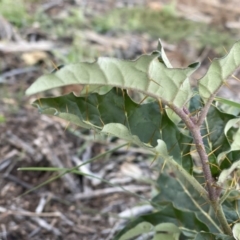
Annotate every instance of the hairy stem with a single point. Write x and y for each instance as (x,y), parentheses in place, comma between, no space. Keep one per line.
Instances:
(196,134)
(213,194)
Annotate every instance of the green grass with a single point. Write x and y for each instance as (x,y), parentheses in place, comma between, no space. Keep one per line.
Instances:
(2,119)
(144,21)
(15,11)
(165,24)
(20,14)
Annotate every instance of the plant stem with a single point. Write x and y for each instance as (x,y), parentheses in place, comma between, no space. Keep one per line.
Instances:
(197,138)
(221,218)
(204,111)
(210,182)
(196,185)
(213,194)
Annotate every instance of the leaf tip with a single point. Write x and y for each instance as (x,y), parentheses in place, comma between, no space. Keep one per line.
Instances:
(159,47)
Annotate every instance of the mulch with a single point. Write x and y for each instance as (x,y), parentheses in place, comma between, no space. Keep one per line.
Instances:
(73,205)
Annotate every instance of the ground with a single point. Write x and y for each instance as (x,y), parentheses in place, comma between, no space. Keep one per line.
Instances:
(35,37)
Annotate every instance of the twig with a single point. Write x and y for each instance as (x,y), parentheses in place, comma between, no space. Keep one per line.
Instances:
(106,191)
(44,224)
(205,109)
(95,181)
(19,143)
(36,217)
(34,232)
(4,232)
(30,214)
(31,188)
(41,204)
(68,178)
(15,72)
(17,180)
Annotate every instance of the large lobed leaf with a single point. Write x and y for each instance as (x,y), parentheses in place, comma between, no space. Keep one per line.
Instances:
(209,236)
(169,214)
(115,113)
(174,189)
(180,206)
(151,75)
(218,72)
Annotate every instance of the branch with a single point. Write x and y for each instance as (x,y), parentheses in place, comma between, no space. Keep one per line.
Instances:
(194,128)
(205,110)
(196,134)
(221,218)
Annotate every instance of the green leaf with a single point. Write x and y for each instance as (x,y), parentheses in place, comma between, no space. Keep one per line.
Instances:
(215,139)
(228,106)
(104,71)
(231,210)
(231,155)
(146,125)
(169,215)
(163,57)
(227,172)
(218,72)
(214,129)
(143,227)
(236,231)
(214,126)
(175,190)
(228,102)
(167,231)
(148,74)
(228,181)
(116,114)
(209,236)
